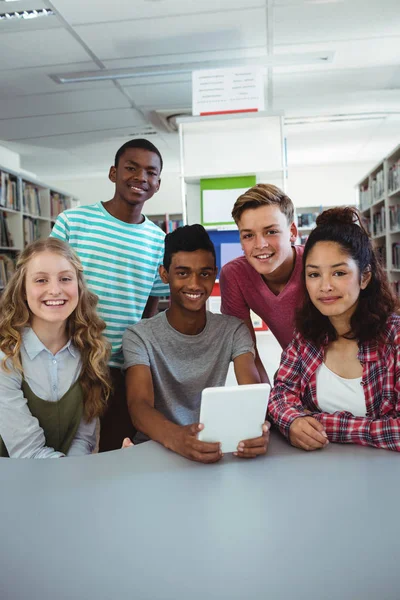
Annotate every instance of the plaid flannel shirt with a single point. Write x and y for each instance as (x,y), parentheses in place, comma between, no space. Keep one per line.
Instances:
(295,395)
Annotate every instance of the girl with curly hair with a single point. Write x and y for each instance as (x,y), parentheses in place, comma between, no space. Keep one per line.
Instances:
(54,379)
(339,379)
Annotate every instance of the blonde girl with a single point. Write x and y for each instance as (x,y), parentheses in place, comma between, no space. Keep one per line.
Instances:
(54,380)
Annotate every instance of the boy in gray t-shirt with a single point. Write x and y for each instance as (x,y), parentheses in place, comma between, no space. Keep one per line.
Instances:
(172,357)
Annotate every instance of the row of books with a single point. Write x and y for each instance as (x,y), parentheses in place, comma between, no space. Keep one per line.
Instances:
(307,219)
(7,268)
(365,196)
(396,287)
(6,239)
(8,191)
(394,216)
(58,203)
(394,177)
(303,239)
(378,186)
(381,252)
(31,199)
(379,222)
(31,230)
(173,224)
(168,225)
(396,255)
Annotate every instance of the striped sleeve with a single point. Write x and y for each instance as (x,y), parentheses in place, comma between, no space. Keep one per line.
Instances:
(61,228)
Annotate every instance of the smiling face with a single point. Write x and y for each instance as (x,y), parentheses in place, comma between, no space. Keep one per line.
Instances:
(191,277)
(333,280)
(266,238)
(137,175)
(51,288)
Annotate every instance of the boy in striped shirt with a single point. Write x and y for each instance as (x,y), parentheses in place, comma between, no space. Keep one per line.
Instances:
(121,251)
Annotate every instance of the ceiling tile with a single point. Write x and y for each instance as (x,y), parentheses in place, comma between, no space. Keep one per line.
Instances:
(176,35)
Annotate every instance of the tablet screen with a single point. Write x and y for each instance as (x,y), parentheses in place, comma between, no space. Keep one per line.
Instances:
(233,413)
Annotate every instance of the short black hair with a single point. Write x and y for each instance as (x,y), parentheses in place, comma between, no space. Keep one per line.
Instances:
(188,238)
(138,143)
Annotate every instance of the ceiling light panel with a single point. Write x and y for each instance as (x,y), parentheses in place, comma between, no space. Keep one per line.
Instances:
(26,14)
(172,69)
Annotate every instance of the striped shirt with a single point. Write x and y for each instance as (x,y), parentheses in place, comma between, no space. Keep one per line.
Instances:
(120,262)
(295,391)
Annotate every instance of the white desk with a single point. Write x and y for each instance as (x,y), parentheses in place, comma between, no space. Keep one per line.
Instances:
(146,524)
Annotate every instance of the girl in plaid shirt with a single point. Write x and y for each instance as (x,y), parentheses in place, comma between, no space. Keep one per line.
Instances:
(339,379)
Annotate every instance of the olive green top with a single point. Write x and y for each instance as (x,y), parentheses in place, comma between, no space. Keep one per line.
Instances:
(59,420)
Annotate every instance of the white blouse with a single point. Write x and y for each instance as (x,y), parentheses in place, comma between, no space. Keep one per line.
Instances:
(335,393)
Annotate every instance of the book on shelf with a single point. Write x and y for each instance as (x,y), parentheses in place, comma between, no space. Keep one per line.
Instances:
(7,269)
(394,216)
(8,191)
(307,219)
(365,196)
(396,255)
(379,222)
(31,199)
(58,203)
(394,177)
(6,239)
(378,186)
(173,224)
(167,225)
(31,230)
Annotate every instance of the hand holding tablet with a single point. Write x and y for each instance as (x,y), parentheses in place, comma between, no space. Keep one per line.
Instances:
(233,414)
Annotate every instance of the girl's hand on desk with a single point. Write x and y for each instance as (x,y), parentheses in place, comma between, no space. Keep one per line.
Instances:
(186,444)
(127,443)
(308,434)
(256,446)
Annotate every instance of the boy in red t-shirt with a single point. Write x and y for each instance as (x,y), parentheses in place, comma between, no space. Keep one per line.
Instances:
(267,279)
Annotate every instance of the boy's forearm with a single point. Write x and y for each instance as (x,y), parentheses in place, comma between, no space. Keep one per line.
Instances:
(261,369)
(152,423)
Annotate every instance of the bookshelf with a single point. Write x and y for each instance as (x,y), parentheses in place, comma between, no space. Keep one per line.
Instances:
(379,197)
(305,219)
(28,210)
(167,222)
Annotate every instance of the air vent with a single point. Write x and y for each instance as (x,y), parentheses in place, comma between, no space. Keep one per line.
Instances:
(166,119)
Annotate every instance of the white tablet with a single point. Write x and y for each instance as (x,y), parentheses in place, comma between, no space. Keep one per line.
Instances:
(233,413)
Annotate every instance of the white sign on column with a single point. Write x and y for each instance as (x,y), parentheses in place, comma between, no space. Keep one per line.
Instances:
(225,91)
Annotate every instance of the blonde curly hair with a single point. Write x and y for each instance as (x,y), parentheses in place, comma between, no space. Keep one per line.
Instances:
(84,327)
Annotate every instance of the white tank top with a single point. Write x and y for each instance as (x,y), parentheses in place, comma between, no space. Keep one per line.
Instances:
(335,393)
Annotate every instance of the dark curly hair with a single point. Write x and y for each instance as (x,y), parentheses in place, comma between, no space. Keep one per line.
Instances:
(188,238)
(376,302)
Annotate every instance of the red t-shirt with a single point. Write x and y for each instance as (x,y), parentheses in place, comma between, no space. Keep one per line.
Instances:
(242,289)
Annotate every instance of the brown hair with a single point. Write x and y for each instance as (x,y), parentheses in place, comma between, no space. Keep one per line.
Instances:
(263,194)
(84,327)
(376,302)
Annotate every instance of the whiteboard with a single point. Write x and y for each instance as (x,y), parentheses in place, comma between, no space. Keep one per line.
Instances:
(217,205)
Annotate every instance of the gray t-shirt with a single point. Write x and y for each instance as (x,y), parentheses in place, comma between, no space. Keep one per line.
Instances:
(183,365)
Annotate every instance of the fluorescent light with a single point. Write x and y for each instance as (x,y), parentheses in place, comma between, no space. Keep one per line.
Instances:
(337,118)
(26,14)
(277,60)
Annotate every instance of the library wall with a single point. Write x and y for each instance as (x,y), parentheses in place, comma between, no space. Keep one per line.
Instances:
(9,159)
(100,189)
(325,185)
